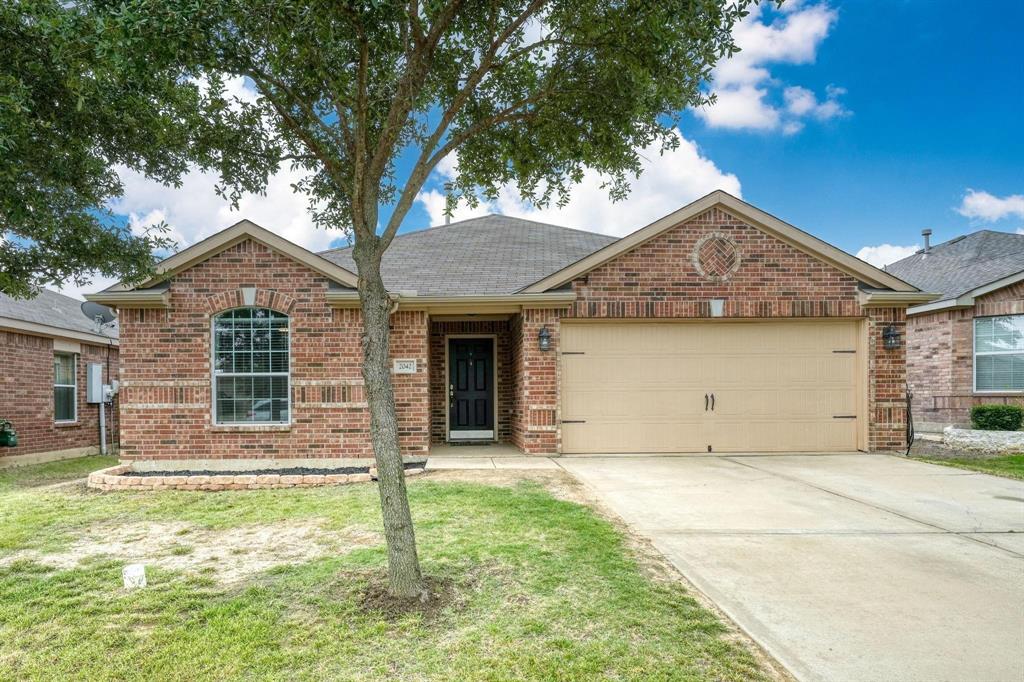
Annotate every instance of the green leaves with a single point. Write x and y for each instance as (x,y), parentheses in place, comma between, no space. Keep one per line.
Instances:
(525,92)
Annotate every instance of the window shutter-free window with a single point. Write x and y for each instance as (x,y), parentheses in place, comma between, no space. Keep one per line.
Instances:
(999,353)
(65,385)
(251,367)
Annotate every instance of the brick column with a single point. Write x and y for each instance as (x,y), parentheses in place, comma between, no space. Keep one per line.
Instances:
(887,382)
(535,372)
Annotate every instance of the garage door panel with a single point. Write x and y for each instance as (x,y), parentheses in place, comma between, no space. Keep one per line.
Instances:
(640,387)
(626,405)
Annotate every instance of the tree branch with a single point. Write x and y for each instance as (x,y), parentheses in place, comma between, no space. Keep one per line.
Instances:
(427,163)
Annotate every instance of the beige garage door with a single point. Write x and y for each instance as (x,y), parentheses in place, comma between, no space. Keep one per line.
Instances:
(731,386)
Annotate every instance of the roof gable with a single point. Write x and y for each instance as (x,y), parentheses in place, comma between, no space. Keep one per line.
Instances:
(749,214)
(121,294)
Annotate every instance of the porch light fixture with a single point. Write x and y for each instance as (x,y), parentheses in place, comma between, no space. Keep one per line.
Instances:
(891,338)
(717,307)
(544,338)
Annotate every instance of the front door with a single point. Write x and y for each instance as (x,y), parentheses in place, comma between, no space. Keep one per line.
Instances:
(471,389)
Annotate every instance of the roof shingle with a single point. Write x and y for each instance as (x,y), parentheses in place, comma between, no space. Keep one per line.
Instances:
(53,310)
(493,254)
(963,264)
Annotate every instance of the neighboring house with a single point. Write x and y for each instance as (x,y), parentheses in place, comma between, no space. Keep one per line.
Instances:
(718,328)
(967,347)
(46,344)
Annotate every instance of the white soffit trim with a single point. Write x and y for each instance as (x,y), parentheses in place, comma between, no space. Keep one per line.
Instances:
(36,329)
(748,213)
(966,300)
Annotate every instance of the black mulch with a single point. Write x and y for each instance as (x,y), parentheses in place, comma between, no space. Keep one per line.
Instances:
(294,471)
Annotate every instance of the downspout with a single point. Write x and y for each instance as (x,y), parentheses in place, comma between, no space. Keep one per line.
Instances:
(910,421)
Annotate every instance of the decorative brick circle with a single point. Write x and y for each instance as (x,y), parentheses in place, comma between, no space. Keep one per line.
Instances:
(715,257)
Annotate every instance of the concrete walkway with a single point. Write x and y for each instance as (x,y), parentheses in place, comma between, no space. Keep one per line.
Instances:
(484,462)
(844,567)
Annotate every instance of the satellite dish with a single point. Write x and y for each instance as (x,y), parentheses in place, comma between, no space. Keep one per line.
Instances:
(98,313)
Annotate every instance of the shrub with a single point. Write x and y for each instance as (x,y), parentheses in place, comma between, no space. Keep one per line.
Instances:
(997,417)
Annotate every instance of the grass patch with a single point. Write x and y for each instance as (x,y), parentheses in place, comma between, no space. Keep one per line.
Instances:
(1008,466)
(529,588)
(53,472)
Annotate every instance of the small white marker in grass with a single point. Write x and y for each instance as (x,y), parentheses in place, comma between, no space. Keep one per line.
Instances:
(134,576)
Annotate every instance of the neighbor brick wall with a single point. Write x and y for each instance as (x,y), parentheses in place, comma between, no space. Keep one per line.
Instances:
(165,371)
(439,380)
(940,359)
(658,280)
(26,396)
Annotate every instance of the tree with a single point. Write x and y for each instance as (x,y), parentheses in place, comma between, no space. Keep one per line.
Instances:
(69,115)
(526,92)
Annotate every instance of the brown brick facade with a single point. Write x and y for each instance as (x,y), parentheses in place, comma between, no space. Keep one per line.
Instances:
(166,398)
(940,360)
(166,379)
(535,406)
(26,395)
(440,330)
(659,280)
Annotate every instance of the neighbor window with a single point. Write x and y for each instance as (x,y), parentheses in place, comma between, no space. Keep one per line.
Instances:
(999,353)
(250,367)
(65,387)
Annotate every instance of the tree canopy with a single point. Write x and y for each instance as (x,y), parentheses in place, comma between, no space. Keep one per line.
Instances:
(527,93)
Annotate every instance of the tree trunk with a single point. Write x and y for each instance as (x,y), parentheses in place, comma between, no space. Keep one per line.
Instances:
(405,579)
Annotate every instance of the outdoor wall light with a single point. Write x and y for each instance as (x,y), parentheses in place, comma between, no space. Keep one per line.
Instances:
(891,338)
(717,307)
(544,338)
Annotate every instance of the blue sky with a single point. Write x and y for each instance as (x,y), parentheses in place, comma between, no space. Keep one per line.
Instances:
(861,122)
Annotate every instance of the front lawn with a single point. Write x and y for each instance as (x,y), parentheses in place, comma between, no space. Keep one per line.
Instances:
(1010,466)
(52,472)
(286,584)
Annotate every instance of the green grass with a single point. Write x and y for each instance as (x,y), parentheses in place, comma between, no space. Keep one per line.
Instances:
(53,472)
(541,589)
(1009,466)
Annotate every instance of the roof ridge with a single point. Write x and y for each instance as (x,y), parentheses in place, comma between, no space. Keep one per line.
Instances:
(461,223)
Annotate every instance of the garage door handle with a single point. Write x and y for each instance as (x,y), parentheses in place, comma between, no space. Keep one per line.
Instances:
(705,402)
(712,402)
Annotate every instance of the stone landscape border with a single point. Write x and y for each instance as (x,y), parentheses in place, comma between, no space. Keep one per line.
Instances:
(975,440)
(113,479)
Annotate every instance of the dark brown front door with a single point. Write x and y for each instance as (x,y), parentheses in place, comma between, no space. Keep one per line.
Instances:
(470,389)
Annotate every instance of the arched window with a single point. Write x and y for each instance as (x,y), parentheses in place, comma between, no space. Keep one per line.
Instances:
(250,367)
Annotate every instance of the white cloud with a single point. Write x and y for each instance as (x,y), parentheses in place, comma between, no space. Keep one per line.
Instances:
(96,283)
(883,254)
(990,208)
(745,89)
(669,181)
(194,211)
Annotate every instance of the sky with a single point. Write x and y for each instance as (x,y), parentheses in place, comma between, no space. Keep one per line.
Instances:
(862,122)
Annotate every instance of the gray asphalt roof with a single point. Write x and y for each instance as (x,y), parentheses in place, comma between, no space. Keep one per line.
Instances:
(51,309)
(963,264)
(493,254)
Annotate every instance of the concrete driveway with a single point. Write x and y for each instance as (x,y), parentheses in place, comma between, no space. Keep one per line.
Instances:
(844,567)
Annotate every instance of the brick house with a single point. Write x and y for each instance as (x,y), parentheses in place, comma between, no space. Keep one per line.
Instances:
(716,328)
(967,347)
(46,346)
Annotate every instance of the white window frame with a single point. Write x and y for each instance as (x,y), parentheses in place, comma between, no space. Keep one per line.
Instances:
(214,374)
(975,353)
(73,387)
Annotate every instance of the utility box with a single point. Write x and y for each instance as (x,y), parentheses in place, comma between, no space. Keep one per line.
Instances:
(94,383)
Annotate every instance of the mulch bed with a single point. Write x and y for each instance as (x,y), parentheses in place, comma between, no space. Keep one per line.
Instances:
(294,471)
